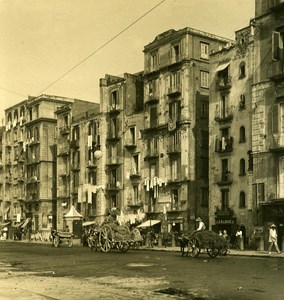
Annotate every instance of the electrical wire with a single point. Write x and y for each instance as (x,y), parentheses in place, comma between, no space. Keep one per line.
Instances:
(11,91)
(101,47)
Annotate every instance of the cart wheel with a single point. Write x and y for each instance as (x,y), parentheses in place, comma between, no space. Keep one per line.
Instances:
(136,245)
(194,246)
(56,241)
(224,251)
(70,242)
(123,246)
(212,252)
(106,238)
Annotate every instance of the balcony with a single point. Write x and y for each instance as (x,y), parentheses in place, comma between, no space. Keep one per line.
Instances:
(224,212)
(64,151)
(152,154)
(224,115)
(224,179)
(113,137)
(33,179)
(21,178)
(114,161)
(75,167)
(135,174)
(32,160)
(276,70)
(223,83)
(9,179)
(113,186)
(114,109)
(152,98)
(74,144)
(174,149)
(174,90)
(64,130)
(130,144)
(224,145)
(91,164)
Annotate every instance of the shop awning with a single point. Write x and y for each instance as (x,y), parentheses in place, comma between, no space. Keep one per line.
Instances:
(4,224)
(222,66)
(26,222)
(73,213)
(149,223)
(88,223)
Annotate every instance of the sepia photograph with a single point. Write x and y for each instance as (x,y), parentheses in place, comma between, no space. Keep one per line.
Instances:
(140,149)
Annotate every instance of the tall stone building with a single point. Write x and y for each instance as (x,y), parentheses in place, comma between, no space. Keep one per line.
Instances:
(29,163)
(175,134)
(122,101)
(267,116)
(230,161)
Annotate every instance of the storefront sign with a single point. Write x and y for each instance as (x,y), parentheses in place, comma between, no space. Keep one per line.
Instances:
(226,221)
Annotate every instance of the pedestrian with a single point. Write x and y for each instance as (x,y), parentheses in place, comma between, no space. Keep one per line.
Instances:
(165,238)
(273,239)
(239,239)
(201,225)
(220,233)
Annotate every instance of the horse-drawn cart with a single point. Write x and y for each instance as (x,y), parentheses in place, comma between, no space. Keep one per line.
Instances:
(113,235)
(59,237)
(210,241)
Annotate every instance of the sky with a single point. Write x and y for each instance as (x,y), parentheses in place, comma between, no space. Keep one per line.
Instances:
(42,40)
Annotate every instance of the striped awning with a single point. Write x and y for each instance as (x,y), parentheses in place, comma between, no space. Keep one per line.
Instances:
(26,222)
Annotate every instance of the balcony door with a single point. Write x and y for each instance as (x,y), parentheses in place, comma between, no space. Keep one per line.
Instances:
(281,177)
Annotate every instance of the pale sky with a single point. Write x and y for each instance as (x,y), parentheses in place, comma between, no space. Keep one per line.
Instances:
(40,40)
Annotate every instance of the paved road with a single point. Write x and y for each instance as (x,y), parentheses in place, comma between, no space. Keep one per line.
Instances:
(35,271)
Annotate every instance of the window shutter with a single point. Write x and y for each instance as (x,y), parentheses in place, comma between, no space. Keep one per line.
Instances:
(275,45)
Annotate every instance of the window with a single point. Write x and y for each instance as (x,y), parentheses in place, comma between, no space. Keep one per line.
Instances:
(135,164)
(174,198)
(224,200)
(204,50)
(153,116)
(204,197)
(175,168)
(242,134)
(225,169)
(242,167)
(242,203)
(250,160)
(113,201)
(204,79)
(176,50)
(175,79)
(132,132)
(277,45)
(136,193)
(114,101)
(242,70)
(258,193)
(204,112)
(204,167)
(153,170)
(92,177)
(174,110)
(154,59)
(76,133)
(242,102)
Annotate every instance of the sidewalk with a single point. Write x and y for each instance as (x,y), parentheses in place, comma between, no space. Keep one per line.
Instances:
(232,252)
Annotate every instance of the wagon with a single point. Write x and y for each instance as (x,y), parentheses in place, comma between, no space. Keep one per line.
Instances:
(210,241)
(59,237)
(114,236)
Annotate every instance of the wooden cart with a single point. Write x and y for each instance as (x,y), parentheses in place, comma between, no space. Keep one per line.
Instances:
(59,237)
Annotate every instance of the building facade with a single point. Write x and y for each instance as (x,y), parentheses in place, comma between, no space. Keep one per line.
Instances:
(175,134)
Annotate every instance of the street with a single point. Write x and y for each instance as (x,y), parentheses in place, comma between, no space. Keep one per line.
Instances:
(36,271)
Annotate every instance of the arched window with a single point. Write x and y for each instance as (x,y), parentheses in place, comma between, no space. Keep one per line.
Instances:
(242,203)
(242,102)
(242,167)
(242,134)
(242,70)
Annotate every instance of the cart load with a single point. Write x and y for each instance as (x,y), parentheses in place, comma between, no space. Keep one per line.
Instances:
(112,235)
(208,240)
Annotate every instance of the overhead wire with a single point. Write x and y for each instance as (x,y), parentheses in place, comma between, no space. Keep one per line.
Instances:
(101,47)
(11,91)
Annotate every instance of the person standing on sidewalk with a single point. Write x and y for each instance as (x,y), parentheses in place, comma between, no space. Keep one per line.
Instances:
(273,239)
(201,225)
(239,239)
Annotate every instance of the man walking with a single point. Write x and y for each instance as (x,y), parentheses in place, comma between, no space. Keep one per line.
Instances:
(273,239)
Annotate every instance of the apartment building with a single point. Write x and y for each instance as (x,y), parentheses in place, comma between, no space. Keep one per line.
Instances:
(175,134)
(77,142)
(230,145)
(122,102)
(267,116)
(29,163)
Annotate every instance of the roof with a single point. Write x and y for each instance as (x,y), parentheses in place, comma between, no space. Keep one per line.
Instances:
(73,213)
